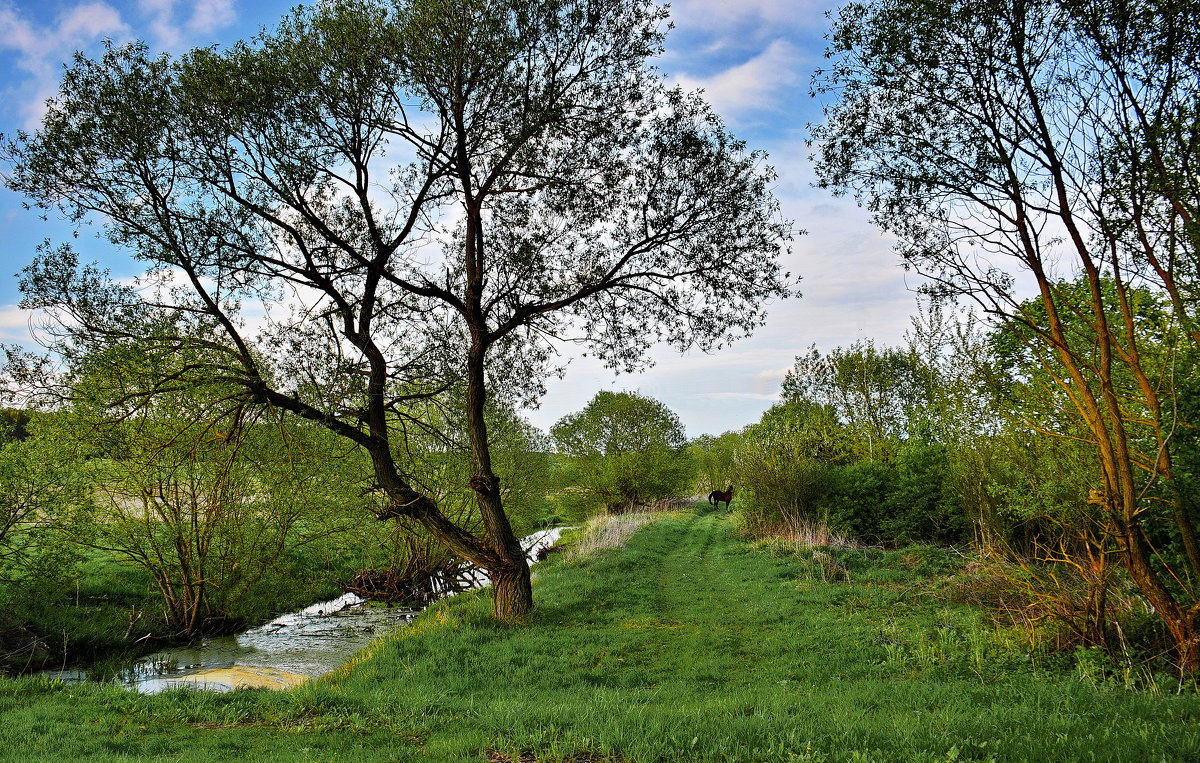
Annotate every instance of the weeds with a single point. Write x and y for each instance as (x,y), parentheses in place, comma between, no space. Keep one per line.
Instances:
(1061,605)
(808,534)
(607,531)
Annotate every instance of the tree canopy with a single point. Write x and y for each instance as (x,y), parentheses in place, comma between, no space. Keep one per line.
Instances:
(625,449)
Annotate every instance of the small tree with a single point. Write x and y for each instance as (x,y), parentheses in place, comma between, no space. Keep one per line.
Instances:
(783,459)
(716,460)
(209,505)
(625,449)
(418,195)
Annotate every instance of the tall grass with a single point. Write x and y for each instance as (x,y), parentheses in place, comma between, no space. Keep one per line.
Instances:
(607,531)
(809,534)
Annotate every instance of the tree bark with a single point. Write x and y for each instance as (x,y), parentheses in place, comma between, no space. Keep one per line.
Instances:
(1180,622)
(512,592)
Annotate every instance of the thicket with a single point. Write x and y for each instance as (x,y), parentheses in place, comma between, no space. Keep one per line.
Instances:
(853,446)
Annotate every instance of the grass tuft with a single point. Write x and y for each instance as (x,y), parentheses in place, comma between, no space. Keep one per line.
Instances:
(608,531)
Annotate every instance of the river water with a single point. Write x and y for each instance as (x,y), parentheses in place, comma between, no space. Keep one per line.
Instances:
(283,652)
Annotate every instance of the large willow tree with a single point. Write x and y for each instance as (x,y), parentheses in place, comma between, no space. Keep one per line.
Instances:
(378,202)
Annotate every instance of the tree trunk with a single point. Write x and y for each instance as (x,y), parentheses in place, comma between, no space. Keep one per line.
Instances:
(512,592)
(1180,622)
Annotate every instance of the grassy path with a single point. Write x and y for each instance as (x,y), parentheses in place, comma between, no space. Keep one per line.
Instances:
(684,646)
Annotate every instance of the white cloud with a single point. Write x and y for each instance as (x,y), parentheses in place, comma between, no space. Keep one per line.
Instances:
(771,375)
(90,21)
(765,82)
(737,396)
(161,15)
(15,32)
(172,26)
(41,49)
(210,15)
(15,323)
(714,29)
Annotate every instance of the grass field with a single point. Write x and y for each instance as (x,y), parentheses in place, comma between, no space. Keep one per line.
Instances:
(685,645)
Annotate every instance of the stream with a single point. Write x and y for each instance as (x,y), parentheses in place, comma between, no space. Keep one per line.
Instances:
(285,651)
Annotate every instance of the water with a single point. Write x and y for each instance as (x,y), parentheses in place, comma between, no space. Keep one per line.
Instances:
(284,651)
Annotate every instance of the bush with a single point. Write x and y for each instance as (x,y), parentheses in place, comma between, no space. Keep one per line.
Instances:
(856,498)
(923,505)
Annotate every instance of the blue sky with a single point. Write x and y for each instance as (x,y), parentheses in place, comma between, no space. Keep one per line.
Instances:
(753,59)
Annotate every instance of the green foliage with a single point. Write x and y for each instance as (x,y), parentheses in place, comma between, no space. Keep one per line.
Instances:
(1028,365)
(923,505)
(716,460)
(216,515)
(623,450)
(205,494)
(521,458)
(436,454)
(877,394)
(798,464)
(14,424)
(857,498)
(44,500)
(946,124)
(783,459)
(208,508)
(1185,445)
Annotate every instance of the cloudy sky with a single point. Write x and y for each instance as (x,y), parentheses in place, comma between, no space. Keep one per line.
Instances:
(752,58)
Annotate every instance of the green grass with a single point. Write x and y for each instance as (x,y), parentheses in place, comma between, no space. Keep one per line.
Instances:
(686,645)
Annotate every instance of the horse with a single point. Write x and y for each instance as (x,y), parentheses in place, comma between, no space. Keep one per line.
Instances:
(716,496)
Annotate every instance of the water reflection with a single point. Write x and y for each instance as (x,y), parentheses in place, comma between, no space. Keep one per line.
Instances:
(284,651)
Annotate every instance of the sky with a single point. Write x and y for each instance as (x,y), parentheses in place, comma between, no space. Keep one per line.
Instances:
(752,58)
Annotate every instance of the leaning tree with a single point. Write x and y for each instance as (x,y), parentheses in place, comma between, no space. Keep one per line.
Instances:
(380,202)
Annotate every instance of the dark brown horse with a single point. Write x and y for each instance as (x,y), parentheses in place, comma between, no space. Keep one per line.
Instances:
(716,496)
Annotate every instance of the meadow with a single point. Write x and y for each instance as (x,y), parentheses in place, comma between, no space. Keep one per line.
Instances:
(688,643)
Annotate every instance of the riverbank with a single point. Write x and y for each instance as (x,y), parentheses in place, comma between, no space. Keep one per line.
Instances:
(686,644)
(113,614)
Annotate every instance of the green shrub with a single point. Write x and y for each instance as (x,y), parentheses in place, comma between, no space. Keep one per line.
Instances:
(923,505)
(857,496)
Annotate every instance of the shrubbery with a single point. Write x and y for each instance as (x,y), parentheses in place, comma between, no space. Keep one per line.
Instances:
(799,464)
